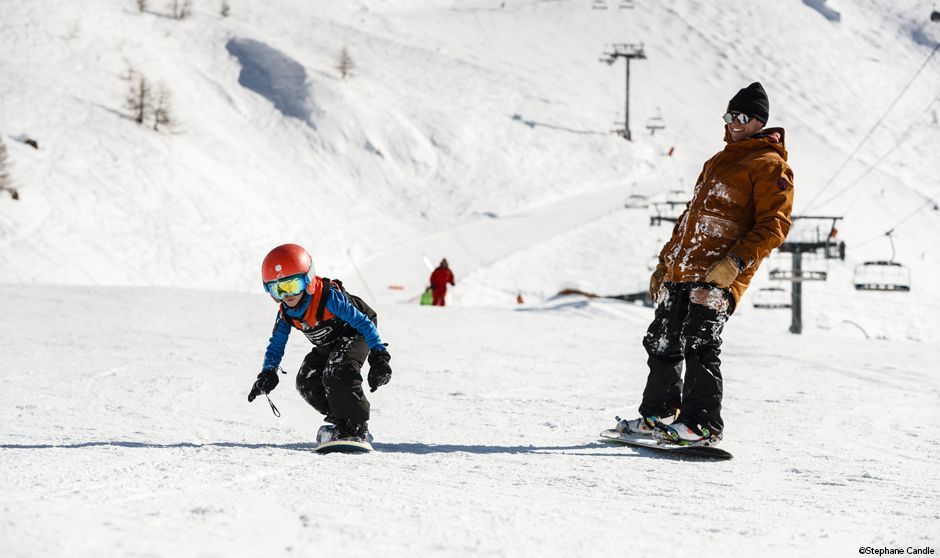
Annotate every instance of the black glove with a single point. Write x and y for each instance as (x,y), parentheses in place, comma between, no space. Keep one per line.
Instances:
(379,370)
(266,382)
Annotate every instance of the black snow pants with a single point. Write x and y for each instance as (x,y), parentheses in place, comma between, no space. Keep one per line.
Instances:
(687,328)
(330,379)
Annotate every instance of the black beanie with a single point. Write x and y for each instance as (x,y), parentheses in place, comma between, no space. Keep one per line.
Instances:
(752,101)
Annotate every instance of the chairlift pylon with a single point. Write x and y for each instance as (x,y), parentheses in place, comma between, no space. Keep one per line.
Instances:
(811,236)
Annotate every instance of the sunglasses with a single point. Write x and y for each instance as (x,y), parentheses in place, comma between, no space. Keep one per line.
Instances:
(730,117)
(288,286)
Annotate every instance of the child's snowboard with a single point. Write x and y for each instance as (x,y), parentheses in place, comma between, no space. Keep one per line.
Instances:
(327,444)
(344,446)
(705,452)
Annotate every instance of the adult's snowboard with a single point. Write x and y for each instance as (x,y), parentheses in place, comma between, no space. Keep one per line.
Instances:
(704,452)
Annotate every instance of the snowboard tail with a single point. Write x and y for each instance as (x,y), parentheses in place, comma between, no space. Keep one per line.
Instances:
(647,442)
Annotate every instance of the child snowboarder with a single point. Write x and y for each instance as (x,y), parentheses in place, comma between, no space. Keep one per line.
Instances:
(341,328)
(739,212)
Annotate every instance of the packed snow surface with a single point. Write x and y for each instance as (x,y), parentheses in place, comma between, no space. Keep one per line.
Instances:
(128,432)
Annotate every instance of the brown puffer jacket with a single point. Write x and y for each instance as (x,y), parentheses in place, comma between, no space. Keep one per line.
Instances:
(741,206)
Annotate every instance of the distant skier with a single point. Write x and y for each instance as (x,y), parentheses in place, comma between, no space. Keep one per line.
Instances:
(342,328)
(440,278)
(739,212)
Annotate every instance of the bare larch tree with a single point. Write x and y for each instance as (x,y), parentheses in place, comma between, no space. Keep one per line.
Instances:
(345,64)
(138,98)
(6,185)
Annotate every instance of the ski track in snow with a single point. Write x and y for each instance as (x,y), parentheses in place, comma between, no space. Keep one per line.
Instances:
(128,432)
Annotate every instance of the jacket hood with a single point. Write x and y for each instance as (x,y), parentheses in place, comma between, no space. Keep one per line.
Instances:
(768,137)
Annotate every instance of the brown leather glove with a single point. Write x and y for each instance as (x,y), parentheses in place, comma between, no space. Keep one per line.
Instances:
(656,281)
(722,273)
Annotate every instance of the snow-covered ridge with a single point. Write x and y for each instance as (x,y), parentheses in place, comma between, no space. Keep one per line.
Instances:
(431,131)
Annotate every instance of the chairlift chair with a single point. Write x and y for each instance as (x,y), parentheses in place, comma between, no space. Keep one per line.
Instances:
(626,5)
(814,268)
(882,275)
(804,275)
(655,123)
(835,250)
(771,298)
(816,263)
(599,5)
(667,211)
(636,201)
(678,195)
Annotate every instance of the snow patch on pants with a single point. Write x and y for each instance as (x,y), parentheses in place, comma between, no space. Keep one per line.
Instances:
(713,299)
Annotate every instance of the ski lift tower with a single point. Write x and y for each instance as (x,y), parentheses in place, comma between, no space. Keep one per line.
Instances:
(815,235)
(627,52)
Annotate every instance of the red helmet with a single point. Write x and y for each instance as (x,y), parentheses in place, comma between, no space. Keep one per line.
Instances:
(287,260)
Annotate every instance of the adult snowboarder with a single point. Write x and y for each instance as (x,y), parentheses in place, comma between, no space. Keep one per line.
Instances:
(739,212)
(440,278)
(342,328)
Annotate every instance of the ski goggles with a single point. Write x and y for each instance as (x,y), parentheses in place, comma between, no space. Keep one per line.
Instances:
(288,286)
(730,117)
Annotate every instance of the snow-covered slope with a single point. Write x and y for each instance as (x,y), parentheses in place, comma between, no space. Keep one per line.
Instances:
(476,130)
(129,434)
(458,111)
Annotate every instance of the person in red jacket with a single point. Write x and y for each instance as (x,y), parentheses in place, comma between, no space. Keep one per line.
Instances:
(440,278)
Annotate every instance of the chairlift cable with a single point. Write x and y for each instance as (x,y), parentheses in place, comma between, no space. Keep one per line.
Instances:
(864,139)
(891,230)
(901,139)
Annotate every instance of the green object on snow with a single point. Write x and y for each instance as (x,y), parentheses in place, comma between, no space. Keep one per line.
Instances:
(427,298)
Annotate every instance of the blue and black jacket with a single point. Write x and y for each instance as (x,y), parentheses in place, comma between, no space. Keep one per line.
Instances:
(324,317)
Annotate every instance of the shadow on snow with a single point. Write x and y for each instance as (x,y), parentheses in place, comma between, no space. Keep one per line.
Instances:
(148,445)
(405,448)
